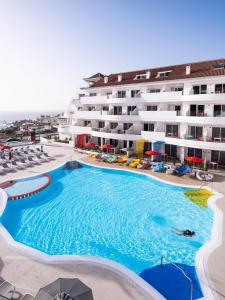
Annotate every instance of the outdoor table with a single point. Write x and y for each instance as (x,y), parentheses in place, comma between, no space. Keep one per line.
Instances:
(214,164)
(217,139)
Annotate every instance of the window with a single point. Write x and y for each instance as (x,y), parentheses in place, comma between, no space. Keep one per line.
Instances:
(135,93)
(218,132)
(219,157)
(140,76)
(117,110)
(148,127)
(113,125)
(126,126)
(177,89)
(195,152)
(90,108)
(195,132)
(93,94)
(130,109)
(200,89)
(86,123)
(219,66)
(163,74)
(219,88)
(113,142)
(151,107)
(101,124)
(105,108)
(81,95)
(219,110)
(197,110)
(172,130)
(171,150)
(121,94)
(154,91)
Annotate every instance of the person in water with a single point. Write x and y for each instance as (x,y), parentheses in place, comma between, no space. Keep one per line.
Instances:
(186,232)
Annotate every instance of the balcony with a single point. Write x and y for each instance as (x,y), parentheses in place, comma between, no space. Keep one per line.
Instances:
(161,97)
(204,98)
(201,120)
(117,135)
(73,129)
(157,116)
(153,136)
(195,143)
(86,114)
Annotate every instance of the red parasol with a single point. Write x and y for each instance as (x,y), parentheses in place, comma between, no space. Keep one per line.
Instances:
(90,144)
(152,153)
(4,147)
(107,146)
(194,159)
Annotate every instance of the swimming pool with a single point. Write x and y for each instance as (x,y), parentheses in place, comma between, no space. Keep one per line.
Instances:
(119,215)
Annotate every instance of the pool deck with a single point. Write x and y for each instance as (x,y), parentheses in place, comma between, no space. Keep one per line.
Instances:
(29,275)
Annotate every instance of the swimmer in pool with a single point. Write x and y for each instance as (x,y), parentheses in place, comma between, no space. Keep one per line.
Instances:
(186,232)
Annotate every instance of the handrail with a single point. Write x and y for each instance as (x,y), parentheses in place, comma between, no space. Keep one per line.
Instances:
(182,271)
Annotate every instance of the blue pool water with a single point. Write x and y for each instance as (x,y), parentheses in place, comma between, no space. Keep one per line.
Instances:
(119,215)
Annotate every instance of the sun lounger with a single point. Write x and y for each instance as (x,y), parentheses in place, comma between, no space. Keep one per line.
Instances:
(182,170)
(204,175)
(122,159)
(7,290)
(25,162)
(18,165)
(30,160)
(111,159)
(159,167)
(134,163)
(6,167)
(47,156)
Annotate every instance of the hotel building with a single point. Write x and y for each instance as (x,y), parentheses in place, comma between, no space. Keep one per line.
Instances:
(178,110)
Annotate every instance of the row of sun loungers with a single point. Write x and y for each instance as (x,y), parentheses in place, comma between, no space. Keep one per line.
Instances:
(22,159)
(171,169)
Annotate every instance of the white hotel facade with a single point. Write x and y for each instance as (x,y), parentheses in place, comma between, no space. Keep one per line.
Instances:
(178,110)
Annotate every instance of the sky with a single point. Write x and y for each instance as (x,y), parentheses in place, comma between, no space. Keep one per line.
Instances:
(48,46)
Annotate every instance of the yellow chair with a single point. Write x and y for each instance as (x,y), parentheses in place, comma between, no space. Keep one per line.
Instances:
(122,159)
(134,163)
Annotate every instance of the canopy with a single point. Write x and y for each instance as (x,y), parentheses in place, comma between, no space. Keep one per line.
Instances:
(194,159)
(65,288)
(4,147)
(107,146)
(152,153)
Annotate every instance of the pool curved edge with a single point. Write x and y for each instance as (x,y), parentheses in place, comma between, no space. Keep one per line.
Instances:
(201,257)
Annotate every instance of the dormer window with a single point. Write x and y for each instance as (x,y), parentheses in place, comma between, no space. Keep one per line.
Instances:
(219,66)
(140,76)
(163,74)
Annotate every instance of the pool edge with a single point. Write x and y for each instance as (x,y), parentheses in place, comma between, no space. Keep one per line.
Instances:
(201,257)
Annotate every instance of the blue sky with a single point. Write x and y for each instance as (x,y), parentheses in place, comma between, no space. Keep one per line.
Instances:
(48,46)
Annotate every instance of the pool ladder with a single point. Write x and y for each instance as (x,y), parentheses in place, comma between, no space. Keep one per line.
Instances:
(182,271)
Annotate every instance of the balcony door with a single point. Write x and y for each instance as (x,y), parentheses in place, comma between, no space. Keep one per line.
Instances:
(148,127)
(121,94)
(219,110)
(200,89)
(219,157)
(197,110)
(195,132)
(195,152)
(172,130)
(219,88)
(117,110)
(218,133)
(130,109)
(171,150)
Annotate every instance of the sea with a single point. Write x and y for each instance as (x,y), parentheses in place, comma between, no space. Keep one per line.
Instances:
(7,118)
